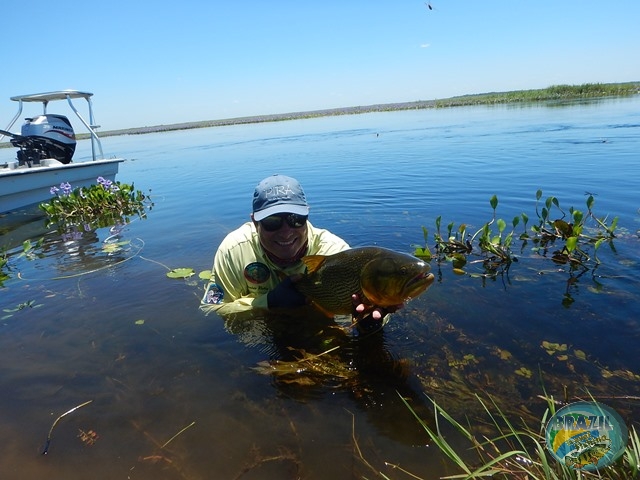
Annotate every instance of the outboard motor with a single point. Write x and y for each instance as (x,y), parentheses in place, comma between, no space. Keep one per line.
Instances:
(45,136)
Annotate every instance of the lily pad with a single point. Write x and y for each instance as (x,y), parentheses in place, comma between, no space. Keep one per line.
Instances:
(205,275)
(180,273)
(113,247)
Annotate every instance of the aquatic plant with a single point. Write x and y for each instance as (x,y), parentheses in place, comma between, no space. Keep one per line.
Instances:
(554,92)
(104,204)
(4,261)
(516,452)
(29,251)
(570,238)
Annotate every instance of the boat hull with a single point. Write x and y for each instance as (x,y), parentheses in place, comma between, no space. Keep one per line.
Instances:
(20,187)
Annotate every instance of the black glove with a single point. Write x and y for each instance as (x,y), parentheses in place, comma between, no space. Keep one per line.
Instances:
(285,295)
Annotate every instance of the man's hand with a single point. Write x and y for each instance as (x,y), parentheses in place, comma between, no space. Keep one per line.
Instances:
(362,311)
(285,295)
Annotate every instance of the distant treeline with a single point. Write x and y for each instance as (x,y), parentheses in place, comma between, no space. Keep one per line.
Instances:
(555,92)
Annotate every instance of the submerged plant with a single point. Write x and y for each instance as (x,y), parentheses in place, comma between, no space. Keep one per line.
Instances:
(29,251)
(104,204)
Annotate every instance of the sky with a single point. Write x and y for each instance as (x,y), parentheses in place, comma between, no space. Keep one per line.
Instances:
(157,63)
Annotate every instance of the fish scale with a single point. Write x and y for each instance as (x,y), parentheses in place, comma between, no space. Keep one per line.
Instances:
(391,277)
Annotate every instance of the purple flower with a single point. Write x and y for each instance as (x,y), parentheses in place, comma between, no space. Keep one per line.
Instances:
(104,182)
(54,190)
(66,188)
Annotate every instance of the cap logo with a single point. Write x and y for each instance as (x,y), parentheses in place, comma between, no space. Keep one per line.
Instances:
(278,194)
(279,191)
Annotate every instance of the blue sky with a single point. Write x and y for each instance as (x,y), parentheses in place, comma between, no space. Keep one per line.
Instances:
(151,63)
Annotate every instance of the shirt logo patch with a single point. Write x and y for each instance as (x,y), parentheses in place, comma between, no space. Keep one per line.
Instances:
(257,272)
(214,294)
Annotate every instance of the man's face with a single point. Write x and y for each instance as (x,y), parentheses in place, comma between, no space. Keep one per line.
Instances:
(286,241)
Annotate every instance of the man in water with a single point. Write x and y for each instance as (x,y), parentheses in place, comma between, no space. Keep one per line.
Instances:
(254,265)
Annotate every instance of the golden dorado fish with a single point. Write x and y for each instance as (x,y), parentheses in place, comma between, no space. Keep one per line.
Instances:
(381,277)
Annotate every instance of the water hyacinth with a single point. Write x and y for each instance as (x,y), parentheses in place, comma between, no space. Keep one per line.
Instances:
(108,184)
(103,204)
(64,189)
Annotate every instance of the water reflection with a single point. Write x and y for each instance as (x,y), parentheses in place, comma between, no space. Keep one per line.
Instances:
(21,225)
(310,355)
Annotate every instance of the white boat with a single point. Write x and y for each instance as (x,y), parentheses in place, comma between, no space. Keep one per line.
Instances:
(46,146)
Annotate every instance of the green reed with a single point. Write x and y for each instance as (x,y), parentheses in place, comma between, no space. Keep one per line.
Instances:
(516,452)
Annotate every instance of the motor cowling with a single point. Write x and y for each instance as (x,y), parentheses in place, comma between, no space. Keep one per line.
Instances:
(45,136)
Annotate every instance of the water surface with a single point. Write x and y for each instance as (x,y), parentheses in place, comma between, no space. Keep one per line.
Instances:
(373,179)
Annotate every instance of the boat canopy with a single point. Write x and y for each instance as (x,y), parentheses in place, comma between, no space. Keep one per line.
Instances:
(47,97)
(67,95)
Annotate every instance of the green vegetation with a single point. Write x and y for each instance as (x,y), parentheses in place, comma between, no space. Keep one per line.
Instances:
(104,204)
(555,92)
(567,237)
(570,238)
(558,92)
(75,212)
(518,452)
(30,251)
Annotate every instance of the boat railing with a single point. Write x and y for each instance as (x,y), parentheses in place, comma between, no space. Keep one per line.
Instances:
(68,95)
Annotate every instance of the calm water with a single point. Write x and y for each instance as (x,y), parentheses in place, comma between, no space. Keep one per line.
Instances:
(372,179)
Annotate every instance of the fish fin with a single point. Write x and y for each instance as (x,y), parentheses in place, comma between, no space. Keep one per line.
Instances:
(313,262)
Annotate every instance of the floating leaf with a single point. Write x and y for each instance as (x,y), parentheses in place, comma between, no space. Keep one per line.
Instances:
(113,247)
(180,273)
(580,355)
(205,275)
(563,358)
(552,348)
(139,322)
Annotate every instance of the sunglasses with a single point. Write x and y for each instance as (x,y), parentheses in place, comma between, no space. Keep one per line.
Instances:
(275,222)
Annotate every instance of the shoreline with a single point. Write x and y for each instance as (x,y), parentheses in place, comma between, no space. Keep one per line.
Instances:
(553,93)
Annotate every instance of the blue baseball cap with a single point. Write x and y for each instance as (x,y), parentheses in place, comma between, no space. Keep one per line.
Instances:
(279,194)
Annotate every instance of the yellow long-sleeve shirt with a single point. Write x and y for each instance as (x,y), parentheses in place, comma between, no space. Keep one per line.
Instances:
(243,274)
